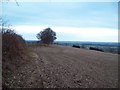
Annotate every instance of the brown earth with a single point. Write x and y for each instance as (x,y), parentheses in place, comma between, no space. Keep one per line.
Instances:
(59,66)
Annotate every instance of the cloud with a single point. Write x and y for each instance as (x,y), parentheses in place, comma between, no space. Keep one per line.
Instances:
(63,14)
(71,33)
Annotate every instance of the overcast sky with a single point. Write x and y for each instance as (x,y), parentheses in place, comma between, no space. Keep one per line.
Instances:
(72,21)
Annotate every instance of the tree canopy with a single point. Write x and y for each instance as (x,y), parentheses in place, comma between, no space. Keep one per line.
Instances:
(47,36)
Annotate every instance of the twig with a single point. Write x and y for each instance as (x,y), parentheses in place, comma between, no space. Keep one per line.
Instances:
(16,2)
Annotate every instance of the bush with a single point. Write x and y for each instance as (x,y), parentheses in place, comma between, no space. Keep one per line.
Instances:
(12,44)
(13,51)
(76,46)
(94,48)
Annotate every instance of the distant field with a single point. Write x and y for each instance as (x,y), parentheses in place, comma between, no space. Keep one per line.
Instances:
(112,47)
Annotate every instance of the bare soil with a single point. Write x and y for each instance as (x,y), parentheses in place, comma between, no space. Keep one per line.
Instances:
(57,66)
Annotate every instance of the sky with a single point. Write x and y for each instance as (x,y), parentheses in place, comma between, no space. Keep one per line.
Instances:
(72,21)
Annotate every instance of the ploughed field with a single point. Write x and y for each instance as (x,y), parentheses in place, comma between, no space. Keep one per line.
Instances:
(59,66)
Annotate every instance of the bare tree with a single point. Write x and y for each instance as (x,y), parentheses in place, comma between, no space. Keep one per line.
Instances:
(9,1)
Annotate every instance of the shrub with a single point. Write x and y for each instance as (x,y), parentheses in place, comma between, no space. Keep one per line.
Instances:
(76,46)
(12,44)
(94,48)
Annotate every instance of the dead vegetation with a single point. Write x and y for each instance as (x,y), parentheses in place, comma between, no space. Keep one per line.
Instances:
(12,44)
(13,49)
